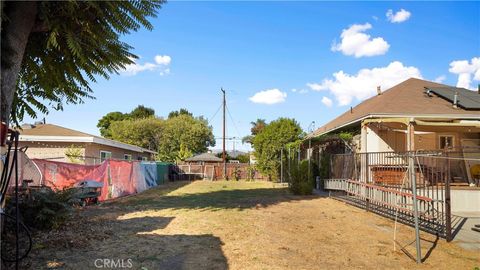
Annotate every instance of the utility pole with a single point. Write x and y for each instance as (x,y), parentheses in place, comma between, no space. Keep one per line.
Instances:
(224,156)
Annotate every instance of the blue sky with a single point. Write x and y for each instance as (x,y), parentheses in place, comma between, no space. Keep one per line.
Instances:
(294,52)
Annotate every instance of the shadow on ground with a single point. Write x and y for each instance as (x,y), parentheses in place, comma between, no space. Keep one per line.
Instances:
(129,242)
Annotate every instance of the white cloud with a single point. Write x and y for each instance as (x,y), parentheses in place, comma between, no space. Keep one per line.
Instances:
(161,64)
(346,87)
(294,90)
(270,96)
(355,42)
(163,59)
(440,79)
(327,102)
(465,70)
(399,16)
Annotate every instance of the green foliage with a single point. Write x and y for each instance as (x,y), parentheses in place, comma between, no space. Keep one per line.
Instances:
(250,173)
(178,113)
(74,154)
(47,209)
(256,128)
(301,179)
(141,112)
(270,140)
(105,122)
(144,132)
(346,136)
(245,158)
(183,153)
(193,133)
(236,173)
(74,43)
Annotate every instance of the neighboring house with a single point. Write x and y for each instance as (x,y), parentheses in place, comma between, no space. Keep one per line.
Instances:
(48,141)
(413,115)
(204,158)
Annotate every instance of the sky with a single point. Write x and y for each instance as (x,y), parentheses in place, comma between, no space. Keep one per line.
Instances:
(305,60)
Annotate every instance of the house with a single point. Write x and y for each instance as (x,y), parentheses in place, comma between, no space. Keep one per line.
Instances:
(439,124)
(48,141)
(413,115)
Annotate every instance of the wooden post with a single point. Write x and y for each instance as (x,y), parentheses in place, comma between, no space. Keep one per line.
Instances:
(411,136)
(224,156)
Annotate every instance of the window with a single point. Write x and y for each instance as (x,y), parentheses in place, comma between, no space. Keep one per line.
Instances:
(127,157)
(446,141)
(104,155)
(144,158)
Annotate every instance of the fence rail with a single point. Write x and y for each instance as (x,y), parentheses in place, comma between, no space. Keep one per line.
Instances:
(382,183)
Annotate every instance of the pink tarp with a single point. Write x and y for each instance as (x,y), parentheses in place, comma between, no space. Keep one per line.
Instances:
(119,178)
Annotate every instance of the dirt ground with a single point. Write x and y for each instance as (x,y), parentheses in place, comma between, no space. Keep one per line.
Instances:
(235,225)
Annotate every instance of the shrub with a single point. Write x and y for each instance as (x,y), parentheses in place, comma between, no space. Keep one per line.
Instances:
(45,209)
(301,181)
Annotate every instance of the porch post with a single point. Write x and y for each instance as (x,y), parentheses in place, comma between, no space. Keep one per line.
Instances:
(411,136)
(363,145)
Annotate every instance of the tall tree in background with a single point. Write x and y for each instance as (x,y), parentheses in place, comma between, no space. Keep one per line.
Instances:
(181,112)
(140,112)
(268,142)
(51,50)
(145,132)
(106,121)
(193,133)
(256,128)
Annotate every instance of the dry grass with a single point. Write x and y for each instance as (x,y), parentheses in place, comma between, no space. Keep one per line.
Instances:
(237,225)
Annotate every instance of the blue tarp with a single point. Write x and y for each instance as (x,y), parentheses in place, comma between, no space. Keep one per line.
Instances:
(149,171)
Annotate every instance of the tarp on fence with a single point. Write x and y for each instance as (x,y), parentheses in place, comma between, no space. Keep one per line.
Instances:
(149,171)
(119,178)
(163,172)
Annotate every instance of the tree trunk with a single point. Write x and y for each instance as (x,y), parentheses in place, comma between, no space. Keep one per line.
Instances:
(21,19)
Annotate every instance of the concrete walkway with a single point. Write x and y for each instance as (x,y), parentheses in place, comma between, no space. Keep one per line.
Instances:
(464,236)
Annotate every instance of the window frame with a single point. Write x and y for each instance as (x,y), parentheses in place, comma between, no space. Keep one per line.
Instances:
(108,155)
(127,157)
(446,136)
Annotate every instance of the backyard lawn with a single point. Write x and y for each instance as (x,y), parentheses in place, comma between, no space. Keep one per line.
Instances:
(237,225)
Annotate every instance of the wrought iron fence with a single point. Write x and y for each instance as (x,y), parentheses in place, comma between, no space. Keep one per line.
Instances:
(382,182)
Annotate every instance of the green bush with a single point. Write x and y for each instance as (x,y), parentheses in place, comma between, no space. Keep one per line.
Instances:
(45,209)
(301,181)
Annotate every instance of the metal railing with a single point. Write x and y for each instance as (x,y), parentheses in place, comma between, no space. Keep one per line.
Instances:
(382,183)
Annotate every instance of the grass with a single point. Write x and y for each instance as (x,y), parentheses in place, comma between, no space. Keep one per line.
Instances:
(237,225)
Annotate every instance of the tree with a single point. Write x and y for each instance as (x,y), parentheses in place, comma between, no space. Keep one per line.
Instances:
(141,112)
(193,133)
(181,112)
(105,122)
(52,51)
(74,154)
(256,128)
(183,153)
(271,139)
(144,132)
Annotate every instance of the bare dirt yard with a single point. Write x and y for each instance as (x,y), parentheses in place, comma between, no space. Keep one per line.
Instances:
(235,225)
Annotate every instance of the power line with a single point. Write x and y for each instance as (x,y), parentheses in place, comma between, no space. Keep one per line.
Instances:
(211,118)
(231,118)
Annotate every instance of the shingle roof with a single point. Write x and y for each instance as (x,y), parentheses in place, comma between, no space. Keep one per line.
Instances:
(406,99)
(54,132)
(206,157)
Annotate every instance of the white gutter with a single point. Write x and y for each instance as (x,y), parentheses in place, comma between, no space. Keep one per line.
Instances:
(84,139)
(424,116)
